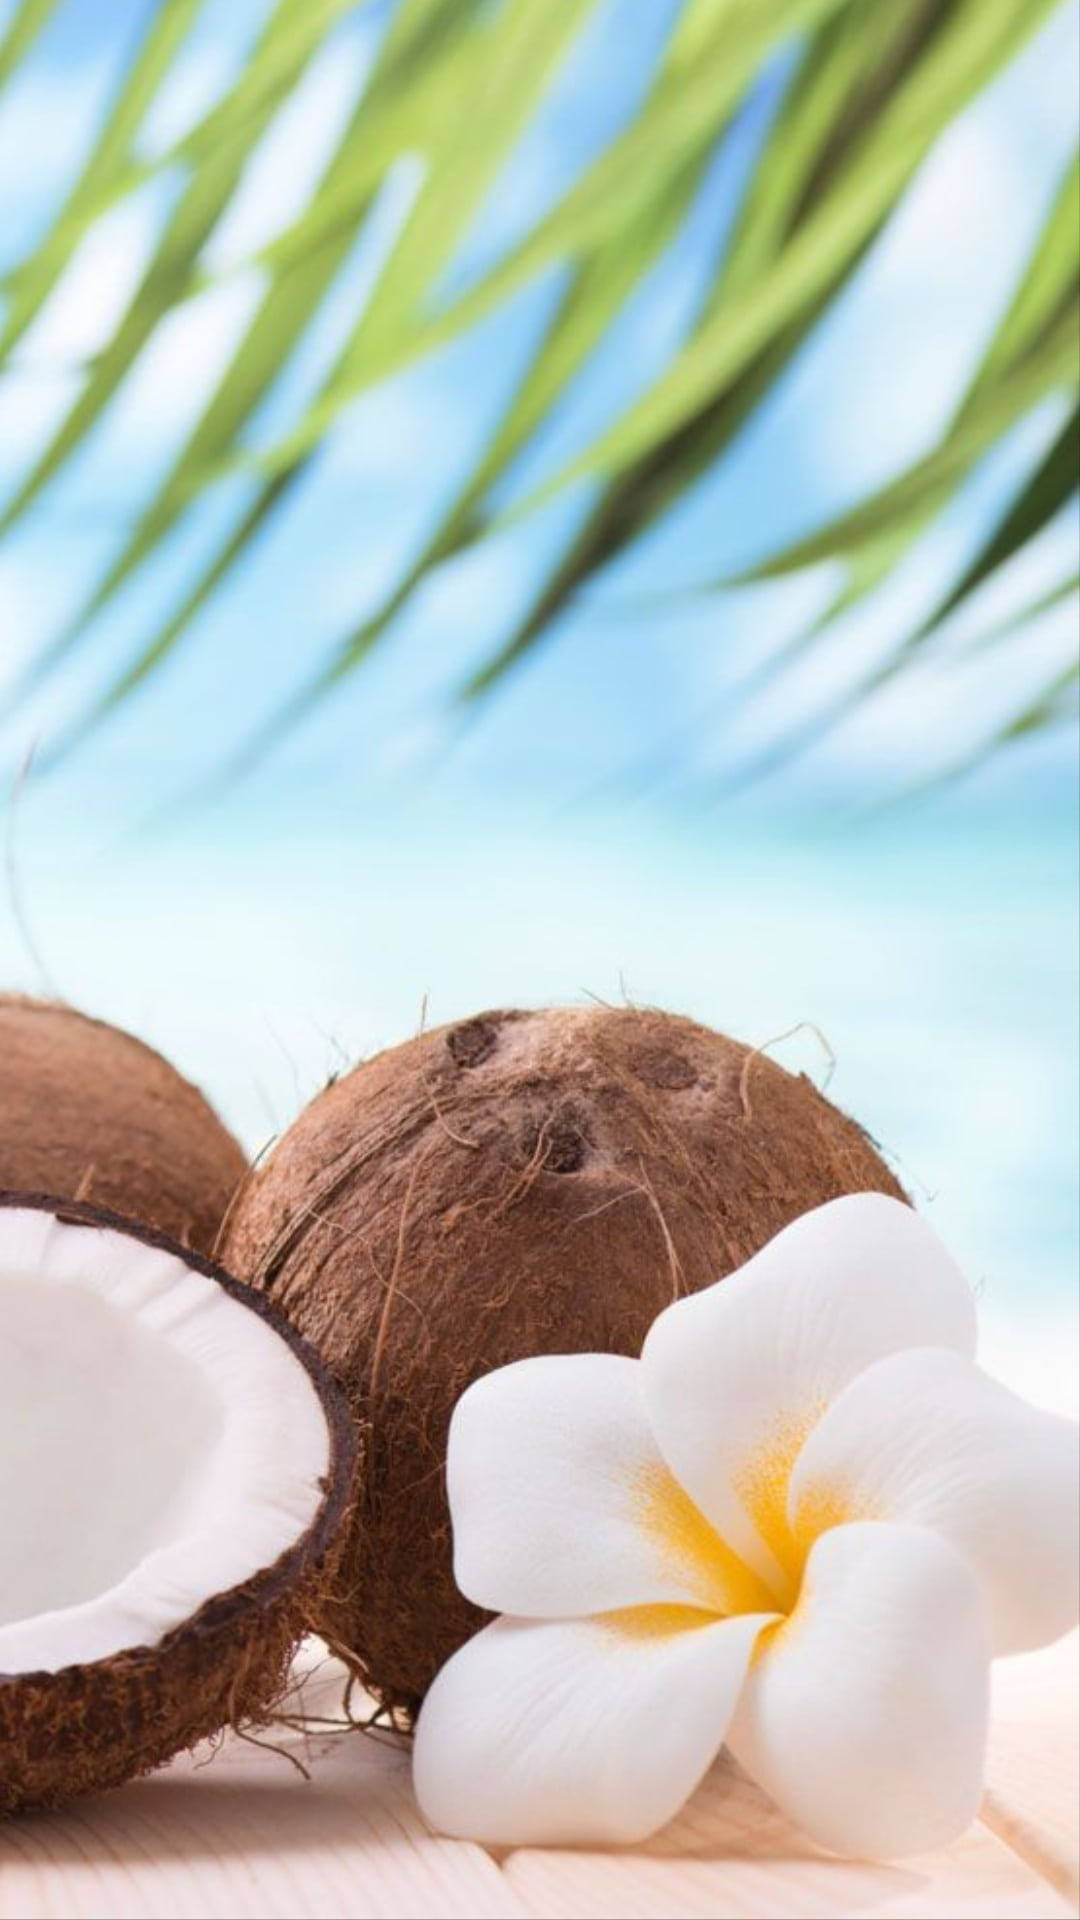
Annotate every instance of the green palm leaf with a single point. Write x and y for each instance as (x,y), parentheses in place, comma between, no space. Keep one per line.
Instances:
(908,503)
(845,72)
(651,484)
(1047,286)
(1041,300)
(981,36)
(601,284)
(518,65)
(1049,488)
(1055,705)
(183,236)
(454,85)
(27,290)
(23,29)
(288,305)
(289,38)
(927,485)
(1055,596)
(673,123)
(842,77)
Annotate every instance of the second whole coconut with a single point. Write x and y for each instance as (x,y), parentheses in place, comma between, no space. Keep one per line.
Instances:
(88,1112)
(514,1184)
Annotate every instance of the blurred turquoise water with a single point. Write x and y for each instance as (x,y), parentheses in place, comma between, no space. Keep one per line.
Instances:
(934,948)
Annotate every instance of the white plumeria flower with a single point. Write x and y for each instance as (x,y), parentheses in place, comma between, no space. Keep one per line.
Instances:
(801,1523)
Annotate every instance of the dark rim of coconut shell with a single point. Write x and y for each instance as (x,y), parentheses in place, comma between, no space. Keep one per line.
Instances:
(313,1545)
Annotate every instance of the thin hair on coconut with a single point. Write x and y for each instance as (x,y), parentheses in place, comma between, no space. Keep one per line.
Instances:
(421,1035)
(757,1053)
(241,1187)
(289,1059)
(642,1189)
(395,1275)
(657,1122)
(526,1179)
(678,1277)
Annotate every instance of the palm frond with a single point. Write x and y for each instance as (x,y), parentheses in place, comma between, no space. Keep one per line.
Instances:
(28,288)
(26,23)
(167,276)
(926,486)
(1042,301)
(651,484)
(1040,499)
(437,220)
(453,86)
(976,42)
(286,308)
(849,65)
(1063,591)
(1057,704)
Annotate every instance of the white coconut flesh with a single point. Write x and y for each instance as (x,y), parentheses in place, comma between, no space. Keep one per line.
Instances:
(160,1443)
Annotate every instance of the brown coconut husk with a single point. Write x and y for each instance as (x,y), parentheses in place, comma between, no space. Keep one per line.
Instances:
(514,1184)
(88,1112)
(95,1726)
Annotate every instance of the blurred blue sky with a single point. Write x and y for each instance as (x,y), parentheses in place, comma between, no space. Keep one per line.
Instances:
(575,832)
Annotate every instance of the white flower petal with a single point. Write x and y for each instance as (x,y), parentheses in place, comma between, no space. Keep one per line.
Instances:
(562,1503)
(864,1714)
(561,1732)
(736,1376)
(926,1437)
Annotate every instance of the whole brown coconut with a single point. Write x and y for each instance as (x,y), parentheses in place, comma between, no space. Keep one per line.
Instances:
(519,1183)
(88,1112)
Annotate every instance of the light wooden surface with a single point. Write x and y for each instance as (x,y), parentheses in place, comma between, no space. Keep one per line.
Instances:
(238,1833)
(1033,1792)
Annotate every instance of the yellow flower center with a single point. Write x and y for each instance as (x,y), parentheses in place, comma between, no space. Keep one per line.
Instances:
(762,1487)
(703,1563)
(695,1551)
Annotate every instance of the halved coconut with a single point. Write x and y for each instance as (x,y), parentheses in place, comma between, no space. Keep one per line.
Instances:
(175,1470)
